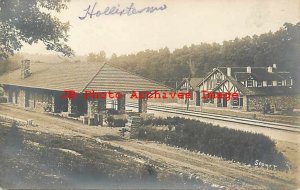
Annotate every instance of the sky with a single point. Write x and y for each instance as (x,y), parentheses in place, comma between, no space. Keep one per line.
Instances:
(182,22)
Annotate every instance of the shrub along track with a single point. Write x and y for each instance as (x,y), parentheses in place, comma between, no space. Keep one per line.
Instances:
(210,169)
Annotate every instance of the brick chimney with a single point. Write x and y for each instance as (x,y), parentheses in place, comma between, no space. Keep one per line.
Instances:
(228,71)
(248,69)
(25,69)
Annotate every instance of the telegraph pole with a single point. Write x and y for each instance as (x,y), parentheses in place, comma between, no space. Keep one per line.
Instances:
(188,91)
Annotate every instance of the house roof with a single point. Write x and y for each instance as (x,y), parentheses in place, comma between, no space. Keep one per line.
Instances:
(258,73)
(193,82)
(272,90)
(79,77)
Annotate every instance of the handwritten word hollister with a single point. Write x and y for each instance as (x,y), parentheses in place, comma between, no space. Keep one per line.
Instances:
(92,11)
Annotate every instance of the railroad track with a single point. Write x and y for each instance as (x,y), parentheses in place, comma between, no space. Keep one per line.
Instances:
(259,123)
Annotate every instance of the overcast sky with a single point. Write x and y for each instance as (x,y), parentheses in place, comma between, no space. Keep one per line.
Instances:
(183,22)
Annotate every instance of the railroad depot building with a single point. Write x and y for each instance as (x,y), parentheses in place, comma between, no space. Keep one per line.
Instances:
(190,85)
(39,86)
(258,88)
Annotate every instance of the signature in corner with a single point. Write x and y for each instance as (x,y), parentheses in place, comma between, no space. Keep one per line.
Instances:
(91,11)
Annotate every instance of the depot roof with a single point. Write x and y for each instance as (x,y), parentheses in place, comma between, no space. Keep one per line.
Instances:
(100,77)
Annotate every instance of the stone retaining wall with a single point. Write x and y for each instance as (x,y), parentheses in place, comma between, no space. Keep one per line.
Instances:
(256,103)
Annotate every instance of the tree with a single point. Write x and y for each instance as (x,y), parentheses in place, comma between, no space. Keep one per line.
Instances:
(26,22)
(11,63)
(280,47)
(100,57)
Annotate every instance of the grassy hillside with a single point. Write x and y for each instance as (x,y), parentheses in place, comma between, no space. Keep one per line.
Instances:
(39,160)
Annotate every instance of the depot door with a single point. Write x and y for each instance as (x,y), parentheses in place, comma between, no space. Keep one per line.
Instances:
(197,98)
(224,102)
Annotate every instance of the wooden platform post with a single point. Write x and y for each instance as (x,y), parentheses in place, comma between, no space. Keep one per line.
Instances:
(71,107)
(92,112)
(143,105)
(92,108)
(54,103)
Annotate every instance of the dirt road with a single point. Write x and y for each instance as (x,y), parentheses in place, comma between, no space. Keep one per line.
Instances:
(212,170)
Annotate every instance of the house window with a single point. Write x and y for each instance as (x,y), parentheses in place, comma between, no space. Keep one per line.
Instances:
(219,78)
(289,82)
(210,84)
(269,83)
(241,101)
(204,99)
(279,83)
(238,102)
(249,83)
(259,83)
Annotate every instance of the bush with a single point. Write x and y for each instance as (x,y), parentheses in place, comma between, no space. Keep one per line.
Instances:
(230,144)
(3,99)
(119,122)
(113,122)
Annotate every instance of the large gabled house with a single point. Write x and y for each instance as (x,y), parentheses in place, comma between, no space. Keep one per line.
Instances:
(258,88)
